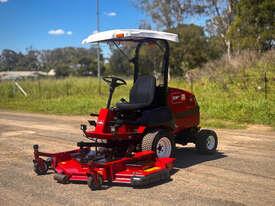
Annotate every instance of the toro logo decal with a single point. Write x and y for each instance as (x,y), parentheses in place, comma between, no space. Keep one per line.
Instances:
(178,98)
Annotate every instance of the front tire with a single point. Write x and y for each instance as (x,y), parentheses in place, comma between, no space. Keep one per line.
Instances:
(206,141)
(161,142)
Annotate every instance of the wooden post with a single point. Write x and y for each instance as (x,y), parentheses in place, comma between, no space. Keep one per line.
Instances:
(67,88)
(20,89)
(265,85)
(39,87)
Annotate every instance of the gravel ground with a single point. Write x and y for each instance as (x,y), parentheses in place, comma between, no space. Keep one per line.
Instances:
(242,172)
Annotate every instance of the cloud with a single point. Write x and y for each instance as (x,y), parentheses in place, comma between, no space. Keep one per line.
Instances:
(56,32)
(110,13)
(3,1)
(59,32)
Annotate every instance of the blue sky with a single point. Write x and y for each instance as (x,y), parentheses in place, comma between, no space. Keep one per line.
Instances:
(47,24)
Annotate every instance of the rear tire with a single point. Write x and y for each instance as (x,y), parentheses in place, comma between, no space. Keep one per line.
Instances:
(206,141)
(161,142)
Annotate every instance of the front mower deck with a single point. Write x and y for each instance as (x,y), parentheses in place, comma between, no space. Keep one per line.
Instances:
(140,169)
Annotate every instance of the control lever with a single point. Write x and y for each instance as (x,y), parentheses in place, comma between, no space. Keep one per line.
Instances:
(124,101)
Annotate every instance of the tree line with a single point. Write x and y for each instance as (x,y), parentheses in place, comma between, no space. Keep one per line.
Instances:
(65,61)
(232,26)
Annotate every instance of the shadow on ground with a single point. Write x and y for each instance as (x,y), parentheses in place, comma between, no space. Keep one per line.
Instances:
(188,156)
(185,157)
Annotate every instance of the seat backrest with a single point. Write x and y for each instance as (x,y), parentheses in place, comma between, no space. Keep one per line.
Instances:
(143,91)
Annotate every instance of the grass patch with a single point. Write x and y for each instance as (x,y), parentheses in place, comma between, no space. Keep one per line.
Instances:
(69,96)
(218,123)
(232,106)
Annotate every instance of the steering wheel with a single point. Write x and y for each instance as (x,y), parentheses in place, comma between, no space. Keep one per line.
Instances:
(114,81)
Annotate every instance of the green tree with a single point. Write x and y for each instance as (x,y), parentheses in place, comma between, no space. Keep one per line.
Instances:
(216,48)
(10,60)
(143,24)
(63,70)
(221,14)
(254,25)
(118,63)
(29,61)
(192,49)
(168,14)
(79,60)
(74,61)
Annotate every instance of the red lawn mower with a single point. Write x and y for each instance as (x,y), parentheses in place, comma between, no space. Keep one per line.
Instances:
(133,142)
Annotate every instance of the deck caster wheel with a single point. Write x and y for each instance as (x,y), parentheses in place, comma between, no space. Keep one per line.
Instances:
(206,141)
(161,142)
(49,162)
(40,167)
(95,182)
(61,178)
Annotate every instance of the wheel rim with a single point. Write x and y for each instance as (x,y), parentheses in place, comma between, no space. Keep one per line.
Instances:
(164,147)
(210,142)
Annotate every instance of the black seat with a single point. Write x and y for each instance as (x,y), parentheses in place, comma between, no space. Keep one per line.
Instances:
(141,95)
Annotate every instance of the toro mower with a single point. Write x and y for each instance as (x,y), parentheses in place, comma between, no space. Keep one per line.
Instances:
(134,141)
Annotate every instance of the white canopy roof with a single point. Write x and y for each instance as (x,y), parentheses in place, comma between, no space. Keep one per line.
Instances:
(129,34)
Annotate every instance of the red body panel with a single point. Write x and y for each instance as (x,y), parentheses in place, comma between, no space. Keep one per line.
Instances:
(185,109)
(183,105)
(102,129)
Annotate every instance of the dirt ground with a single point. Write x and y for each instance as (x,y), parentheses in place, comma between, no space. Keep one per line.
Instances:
(242,172)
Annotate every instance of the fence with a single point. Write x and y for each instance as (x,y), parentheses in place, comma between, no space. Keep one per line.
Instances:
(264,83)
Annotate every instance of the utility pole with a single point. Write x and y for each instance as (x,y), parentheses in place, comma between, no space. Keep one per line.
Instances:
(98,55)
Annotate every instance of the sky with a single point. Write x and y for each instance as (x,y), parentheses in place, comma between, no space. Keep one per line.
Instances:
(48,24)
